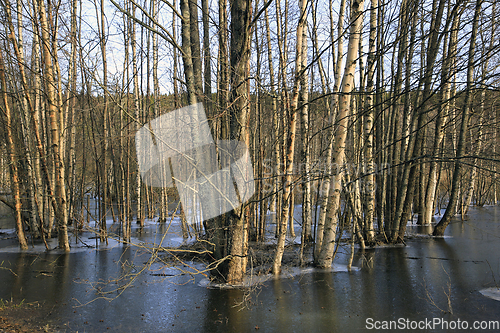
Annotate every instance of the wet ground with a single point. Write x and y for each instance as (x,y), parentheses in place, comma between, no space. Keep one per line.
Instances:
(427,281)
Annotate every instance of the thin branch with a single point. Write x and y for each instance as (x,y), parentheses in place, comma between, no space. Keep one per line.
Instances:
(166,36)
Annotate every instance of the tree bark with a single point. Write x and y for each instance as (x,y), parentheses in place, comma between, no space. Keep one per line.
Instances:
(287,186)
(207,72)
(60,189)
(241,33)
(416,141)
(104,147)
(194,36)
(137,114)
(441,119)
(13,163)
(338,157)
(452,204)
(306,151)
(327,184)
(369,180)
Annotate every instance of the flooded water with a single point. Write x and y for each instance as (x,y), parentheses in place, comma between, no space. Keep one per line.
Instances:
(427,281)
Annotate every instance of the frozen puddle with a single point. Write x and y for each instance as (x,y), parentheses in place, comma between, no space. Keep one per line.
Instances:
(493,293)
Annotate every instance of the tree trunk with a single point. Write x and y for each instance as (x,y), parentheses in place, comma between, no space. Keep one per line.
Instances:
(327,184)
(207,72)
(415,145)
(60,190)
(306,150)
(12,152)
(369,180)
(338,157)
(469,190)
(441,119)
(104,146)
(223,75)
(241,15)
(194,36)
(32,184)
(274,206)
(287,186)
(137,112)
(452,204)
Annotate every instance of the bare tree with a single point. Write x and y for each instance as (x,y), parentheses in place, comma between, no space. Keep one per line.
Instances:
(12,151)
(451,208)
(288,183)
(338,154)
(52,106)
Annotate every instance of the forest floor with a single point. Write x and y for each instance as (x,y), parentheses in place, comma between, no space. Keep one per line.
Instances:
(24,318)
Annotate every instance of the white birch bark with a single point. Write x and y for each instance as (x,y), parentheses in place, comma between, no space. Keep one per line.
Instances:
(448,72)
(327,183)
(338,157)
(369,179)
(280,248)
(137,115)
(51,95)
(454,192)
(306,155)
(12,152)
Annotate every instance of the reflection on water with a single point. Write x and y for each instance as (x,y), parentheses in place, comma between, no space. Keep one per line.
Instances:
(429,278)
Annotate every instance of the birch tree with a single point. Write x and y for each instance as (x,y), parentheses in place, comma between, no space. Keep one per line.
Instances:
(306,235)
(12,152)
(338,154)
(480,122)
(104,147)
(241,34)
(440,228)
(287,186)
(327,183)
(52,108)
(443,110)
(369,181)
